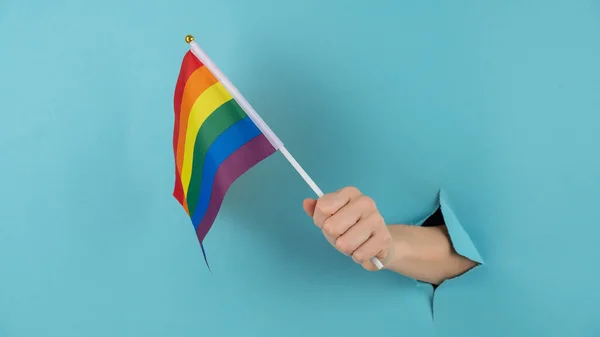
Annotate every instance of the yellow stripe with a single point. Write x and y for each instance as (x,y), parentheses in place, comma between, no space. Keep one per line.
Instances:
(200,80)
(212,98)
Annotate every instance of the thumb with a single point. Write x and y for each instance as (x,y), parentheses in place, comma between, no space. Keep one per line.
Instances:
(309,206)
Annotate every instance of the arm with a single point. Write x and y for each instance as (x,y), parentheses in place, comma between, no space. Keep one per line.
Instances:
(425,254)
(351,222)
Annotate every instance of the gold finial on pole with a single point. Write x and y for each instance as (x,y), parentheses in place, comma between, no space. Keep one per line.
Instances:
(189,39)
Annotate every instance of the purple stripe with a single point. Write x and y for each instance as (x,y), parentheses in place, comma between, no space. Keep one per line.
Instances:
(242,160)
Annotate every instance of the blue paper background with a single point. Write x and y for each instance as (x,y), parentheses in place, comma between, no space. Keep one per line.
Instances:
(497,103)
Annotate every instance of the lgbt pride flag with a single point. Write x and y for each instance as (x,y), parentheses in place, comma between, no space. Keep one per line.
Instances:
(214,140)
(217,137)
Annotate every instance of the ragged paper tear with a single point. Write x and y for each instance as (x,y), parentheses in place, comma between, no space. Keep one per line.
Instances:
(461,241)
(459,238)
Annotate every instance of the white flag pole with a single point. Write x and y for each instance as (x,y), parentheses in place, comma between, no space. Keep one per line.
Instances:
(255,117)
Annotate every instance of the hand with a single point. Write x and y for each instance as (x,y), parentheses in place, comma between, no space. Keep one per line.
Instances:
(351,222)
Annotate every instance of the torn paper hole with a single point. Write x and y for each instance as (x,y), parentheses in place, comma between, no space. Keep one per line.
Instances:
(460,240)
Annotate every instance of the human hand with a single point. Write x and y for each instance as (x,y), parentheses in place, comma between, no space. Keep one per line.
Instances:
(351,222)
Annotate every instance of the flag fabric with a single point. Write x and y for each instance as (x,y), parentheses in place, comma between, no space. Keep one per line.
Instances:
(214,143)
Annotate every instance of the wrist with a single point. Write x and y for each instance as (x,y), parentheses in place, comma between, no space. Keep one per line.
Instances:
(402,248)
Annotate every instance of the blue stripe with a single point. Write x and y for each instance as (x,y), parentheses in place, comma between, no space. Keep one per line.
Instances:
(227,143)
(205,259)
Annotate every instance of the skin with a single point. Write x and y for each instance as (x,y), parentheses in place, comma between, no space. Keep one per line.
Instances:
(351,222)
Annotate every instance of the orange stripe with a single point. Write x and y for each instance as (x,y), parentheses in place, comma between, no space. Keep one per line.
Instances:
(198,82)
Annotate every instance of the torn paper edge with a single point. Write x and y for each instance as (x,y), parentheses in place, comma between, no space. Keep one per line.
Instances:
(459,238)
(457,233)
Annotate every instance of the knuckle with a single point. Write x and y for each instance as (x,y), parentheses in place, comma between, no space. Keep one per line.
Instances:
(349,190)
(329,227)
(375,217)
(366,201)
(324,206)
(387,239)
(359,257)
(378,218)
(342,246)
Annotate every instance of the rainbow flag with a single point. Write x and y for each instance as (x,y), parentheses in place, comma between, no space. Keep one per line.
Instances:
(217,137)
(215,141)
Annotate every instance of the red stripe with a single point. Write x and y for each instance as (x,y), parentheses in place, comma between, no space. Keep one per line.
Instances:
(189,64)
(242,160)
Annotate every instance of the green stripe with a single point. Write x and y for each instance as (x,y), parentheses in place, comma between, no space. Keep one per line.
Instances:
(220,120)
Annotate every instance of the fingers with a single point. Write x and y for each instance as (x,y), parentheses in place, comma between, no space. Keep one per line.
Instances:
(351,222)
(342,220)
(378,245)
(330,203)
(357,235)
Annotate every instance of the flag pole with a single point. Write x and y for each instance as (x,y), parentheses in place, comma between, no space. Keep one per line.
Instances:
(258,121)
